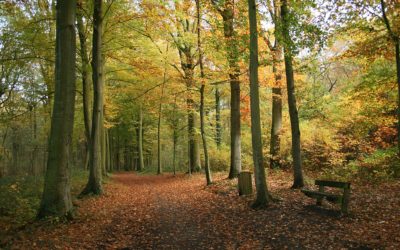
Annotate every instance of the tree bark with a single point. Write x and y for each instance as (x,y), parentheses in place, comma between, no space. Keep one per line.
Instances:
(194,152)
(175,142)
(109,144)
(56,198)
(398,93)
(294,117)
(159,167)
(203,133)
(203,137)
(103,149)
(262,197)
(85,82)
(218,129)
(94,184)
(232,53)
(140,138)
(276,126)
(175,135)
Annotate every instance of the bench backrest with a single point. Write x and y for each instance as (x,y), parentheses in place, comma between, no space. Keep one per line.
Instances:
(337,184)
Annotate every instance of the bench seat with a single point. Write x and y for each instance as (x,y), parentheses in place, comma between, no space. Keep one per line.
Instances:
(335,198)
(342,199)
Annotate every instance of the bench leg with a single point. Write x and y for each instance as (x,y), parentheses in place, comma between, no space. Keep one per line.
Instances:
(319,200)
(345,201)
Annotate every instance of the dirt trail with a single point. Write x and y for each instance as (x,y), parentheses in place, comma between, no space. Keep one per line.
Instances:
(166,212)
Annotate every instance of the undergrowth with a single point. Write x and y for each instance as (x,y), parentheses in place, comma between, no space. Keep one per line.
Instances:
(20,197)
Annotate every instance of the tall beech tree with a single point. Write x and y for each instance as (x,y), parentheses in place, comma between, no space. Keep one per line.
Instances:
(94,185)
(276,49)
(183,37)
(226,8)
(263,198)
(159,164)
(202,89)
(85,72)
(293,113)
(56,199)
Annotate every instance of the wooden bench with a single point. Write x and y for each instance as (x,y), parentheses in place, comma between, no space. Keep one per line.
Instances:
(342,199)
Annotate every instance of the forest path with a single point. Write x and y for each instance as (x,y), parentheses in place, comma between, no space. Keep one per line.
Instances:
(167,212)
(170,212)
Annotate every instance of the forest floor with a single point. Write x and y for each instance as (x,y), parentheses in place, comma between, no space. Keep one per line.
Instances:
(167,212)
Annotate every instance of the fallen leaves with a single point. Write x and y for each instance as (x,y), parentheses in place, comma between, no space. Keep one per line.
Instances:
(166,212)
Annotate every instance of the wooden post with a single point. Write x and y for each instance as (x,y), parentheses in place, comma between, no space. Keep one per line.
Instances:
(319,199)
(345,199)
(245,183)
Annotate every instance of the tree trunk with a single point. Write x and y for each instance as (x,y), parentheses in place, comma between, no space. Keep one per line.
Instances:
(218,129)
(194,152)
(276,126)
(294,117)
(94,184)
(263,197)
(56,199)
(159,167)
(203,133)
(85,82)
(175,141)
(398,93)
(234,71)
(118,152)
(103,150)
(109,151)
(140,138)
(203,136)
(126,155)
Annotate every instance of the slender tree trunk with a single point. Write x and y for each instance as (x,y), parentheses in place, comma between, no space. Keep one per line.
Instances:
(203,133)
(103,150)
(294,117)
(126,160)
(118,152)
(236,162)
(175,141)
(107,152)
(56,198)
(276,127)
(94,184)
(189,163)
(137,148)
(263,197)
(85,82)
(159,167)
(218,129)
(175,136)
(203,136)
(398,93)
(141,160)
(110,151)
(233,54)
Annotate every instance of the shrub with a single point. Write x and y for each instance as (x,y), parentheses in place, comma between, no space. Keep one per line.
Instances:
(381,165)
(219,159)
